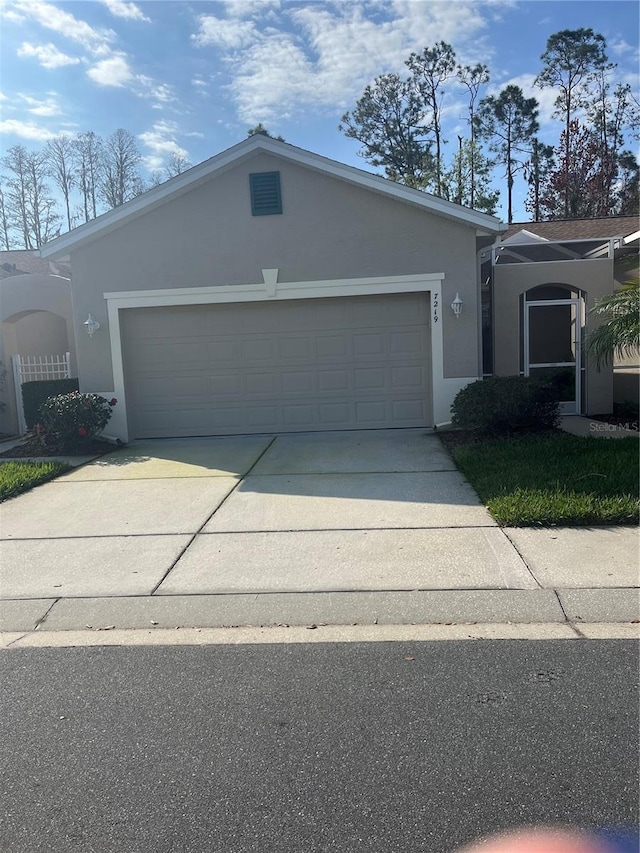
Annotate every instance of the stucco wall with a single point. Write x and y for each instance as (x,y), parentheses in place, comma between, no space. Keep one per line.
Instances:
(329,229)
(510,281)
(36,318)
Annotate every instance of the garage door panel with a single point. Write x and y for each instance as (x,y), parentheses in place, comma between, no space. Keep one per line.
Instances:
(333,346)
(407,377)
(363,362)
(220,352)
(333,380)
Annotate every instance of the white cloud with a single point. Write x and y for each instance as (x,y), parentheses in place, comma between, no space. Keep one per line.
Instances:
(200,86)
(26,130)
(249,8)
(47,55)
(124,9)
(621,47)
(336,50)
(161,140)
(45,108)
(220,32)
(162,93)
(13,16)
(95,40)
(114,71)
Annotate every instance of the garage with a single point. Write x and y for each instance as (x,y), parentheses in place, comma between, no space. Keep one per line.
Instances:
(357,362)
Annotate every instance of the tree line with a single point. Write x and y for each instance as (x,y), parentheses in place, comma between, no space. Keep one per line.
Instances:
(589,172)
(92,175)
(399,122)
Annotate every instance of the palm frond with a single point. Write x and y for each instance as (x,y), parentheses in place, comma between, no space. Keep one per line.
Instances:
(619,333)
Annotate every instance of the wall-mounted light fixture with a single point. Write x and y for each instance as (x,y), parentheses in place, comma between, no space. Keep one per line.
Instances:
(91,325)
(456,306)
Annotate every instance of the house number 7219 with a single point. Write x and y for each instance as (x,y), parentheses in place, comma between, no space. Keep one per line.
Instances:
(436,303)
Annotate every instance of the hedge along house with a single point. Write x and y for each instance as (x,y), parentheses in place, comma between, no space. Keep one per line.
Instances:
(269,289)
(539,282)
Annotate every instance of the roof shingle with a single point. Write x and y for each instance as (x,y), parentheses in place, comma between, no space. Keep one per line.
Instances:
(578,229)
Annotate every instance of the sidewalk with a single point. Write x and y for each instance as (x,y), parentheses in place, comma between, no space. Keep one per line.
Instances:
(374,529)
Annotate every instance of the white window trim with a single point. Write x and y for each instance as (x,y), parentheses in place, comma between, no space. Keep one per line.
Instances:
(443,390)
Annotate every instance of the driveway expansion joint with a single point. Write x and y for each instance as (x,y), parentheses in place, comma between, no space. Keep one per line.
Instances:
(43,618)
(206,521)
(521,555)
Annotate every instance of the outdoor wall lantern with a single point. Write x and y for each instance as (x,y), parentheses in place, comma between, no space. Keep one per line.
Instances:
(456,306)
(91,325)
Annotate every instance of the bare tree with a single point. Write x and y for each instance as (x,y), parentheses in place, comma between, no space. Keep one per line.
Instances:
(88,154)
(176,165)
(62,168)
(5,234)
(121,180)
(30,209)
(41,210)
(15,162)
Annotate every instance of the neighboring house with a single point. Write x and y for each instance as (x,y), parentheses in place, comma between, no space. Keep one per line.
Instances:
(539,282)
(269,289)
(36,321)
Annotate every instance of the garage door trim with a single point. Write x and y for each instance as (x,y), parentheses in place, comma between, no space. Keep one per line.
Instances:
(270,289)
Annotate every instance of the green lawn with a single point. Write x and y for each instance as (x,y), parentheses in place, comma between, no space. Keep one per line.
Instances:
(555,479)
(17,477)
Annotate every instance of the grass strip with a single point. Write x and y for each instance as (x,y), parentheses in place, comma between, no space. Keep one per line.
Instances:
(554,479)
(17,477)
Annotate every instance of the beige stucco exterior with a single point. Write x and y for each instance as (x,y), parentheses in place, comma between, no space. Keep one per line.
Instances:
(594,278)
(329,229)
(36,319)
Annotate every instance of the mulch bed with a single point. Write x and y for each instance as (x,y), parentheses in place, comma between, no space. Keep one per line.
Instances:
(33,447)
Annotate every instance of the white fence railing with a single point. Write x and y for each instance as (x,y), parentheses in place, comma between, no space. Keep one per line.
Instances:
(35,368)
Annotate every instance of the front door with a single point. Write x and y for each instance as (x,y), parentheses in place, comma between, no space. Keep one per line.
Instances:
(552,347)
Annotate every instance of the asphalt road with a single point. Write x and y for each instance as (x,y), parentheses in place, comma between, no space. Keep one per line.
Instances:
(346,747)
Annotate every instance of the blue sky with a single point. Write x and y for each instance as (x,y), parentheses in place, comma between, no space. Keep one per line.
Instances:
(192,77)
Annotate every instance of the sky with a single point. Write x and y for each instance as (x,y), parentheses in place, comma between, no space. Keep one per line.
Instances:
(193,77)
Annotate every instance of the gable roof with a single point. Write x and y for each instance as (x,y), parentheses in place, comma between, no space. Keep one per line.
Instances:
(558,230)
(201,173)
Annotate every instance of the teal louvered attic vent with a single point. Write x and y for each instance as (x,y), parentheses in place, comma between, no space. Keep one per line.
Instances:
(265,193)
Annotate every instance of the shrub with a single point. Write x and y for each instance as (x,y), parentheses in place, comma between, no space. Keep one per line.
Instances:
(69,421)
(35,393)
(507,404)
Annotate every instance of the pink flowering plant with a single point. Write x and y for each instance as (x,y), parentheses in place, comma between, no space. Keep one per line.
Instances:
(69,422)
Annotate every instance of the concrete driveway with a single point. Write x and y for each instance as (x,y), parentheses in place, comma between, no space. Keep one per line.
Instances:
(245,518)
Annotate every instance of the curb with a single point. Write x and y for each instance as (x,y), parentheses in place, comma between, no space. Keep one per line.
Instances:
(379,608)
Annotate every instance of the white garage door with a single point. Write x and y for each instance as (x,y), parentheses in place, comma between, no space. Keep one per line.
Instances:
(288,366)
